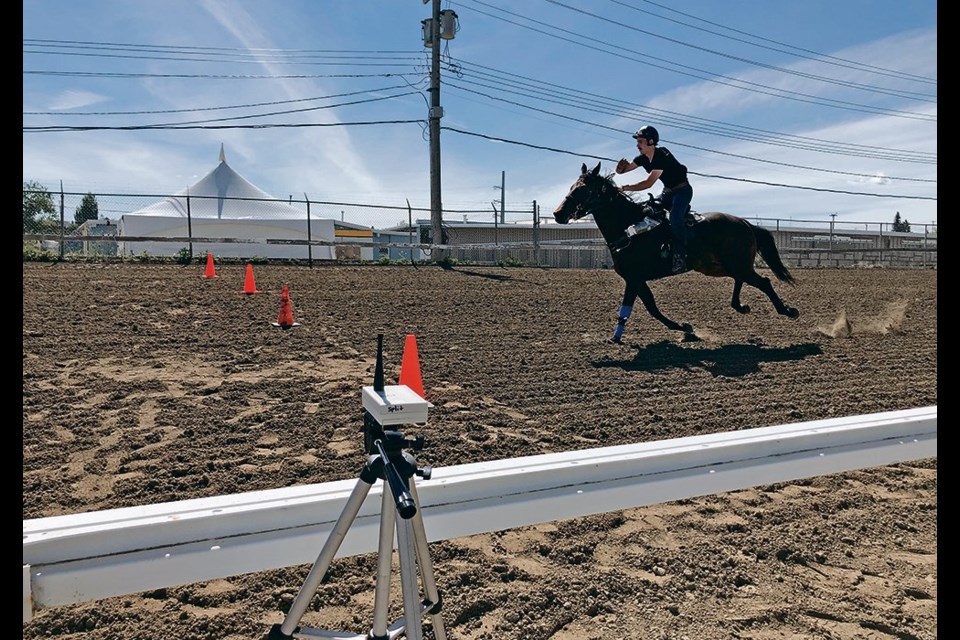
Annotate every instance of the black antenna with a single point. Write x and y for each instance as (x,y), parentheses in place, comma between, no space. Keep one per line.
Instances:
(378,372)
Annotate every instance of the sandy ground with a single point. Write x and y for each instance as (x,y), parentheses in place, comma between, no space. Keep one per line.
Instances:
(146,383)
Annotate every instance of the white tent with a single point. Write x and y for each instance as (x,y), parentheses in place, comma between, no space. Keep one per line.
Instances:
(224,205)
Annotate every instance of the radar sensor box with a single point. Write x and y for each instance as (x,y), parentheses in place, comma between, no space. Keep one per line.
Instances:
(395,404)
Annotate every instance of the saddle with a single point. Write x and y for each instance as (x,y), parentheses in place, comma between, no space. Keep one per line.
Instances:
(654,214)
(653,208)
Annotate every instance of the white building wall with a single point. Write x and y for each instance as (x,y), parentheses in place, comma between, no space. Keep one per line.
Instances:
(257,232)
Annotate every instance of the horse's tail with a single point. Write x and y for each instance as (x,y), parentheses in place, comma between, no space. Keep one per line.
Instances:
(768,250)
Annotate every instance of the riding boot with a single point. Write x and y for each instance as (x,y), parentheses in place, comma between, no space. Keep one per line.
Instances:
(679,262)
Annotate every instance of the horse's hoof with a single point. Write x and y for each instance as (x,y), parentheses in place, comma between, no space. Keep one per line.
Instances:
(745,309)
(793,313)
(614,341)
(686,328)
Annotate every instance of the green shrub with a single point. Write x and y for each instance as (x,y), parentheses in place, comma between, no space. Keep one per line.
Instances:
(149,259)
(32,252)
(448,261)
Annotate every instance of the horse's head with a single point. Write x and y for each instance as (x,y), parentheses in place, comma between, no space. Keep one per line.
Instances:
(586,194)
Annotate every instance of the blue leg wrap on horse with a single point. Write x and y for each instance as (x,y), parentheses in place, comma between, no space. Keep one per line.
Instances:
(625,312)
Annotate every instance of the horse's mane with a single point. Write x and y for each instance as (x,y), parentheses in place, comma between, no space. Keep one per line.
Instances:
(608,177)
(610,183)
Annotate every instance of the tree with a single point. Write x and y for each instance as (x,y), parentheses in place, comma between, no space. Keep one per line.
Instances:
(88,209)
(900,224)
(37,204)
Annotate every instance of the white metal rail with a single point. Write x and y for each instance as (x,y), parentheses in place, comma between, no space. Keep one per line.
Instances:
(90,556)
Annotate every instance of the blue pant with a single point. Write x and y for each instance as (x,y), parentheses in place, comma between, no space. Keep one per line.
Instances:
(678,201)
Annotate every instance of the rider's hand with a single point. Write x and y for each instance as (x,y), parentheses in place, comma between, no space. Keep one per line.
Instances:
(621,165)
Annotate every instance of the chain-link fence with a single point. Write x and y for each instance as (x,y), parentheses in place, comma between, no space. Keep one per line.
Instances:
(185,227)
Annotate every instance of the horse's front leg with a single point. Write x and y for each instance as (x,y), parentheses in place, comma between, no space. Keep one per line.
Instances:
(626,308)
(646,296)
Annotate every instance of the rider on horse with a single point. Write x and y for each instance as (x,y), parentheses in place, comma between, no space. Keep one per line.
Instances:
(677,192)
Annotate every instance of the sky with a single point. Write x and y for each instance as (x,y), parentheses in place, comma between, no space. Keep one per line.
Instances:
(797,111)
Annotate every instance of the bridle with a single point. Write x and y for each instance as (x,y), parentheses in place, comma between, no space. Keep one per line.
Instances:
(583,209)
(604,195)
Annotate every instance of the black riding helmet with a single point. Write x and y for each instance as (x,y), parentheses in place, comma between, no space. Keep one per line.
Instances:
(648,133)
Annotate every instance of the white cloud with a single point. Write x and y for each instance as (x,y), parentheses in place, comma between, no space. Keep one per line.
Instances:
(72,99)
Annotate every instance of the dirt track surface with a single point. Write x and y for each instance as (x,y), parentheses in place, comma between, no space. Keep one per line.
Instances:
(146,383)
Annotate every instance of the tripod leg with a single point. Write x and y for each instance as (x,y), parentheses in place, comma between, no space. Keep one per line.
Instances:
(381,599)
(412,615)
(426,567)
(322,563)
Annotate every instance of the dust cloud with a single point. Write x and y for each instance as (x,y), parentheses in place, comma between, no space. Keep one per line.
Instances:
(889,320)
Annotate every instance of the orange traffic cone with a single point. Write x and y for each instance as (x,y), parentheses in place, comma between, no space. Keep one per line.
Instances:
(210,272)
(410,366)
(249,285)
(285,319)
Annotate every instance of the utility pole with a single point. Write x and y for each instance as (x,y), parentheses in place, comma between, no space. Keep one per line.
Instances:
(436,112)
(441,25)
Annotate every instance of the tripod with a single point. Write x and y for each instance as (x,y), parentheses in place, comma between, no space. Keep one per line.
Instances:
(387,461)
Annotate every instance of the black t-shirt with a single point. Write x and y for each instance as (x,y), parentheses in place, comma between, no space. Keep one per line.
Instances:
(673,174)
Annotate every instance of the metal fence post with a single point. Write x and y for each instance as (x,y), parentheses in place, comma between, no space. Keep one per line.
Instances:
(309,236)
(409,232)
(880,246)
(536,234)
(189,228)
(61,221)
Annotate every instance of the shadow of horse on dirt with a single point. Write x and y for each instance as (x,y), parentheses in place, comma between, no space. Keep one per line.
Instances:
(729,360)
(497,277)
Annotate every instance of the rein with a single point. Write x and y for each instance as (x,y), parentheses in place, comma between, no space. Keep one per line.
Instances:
(624,240)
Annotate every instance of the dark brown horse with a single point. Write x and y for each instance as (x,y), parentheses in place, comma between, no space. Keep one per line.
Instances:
(718,244)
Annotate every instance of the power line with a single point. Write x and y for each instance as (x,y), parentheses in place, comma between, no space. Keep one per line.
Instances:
(809,76)
(723,129)
(524,86)
(706,175)
(193,48)
(198,109)
(210,76)
(715,127)
(700,74)
(242,60)
(813,55)
(468,133)
(172,125)
(901,154)
(291,125)
(687,145)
